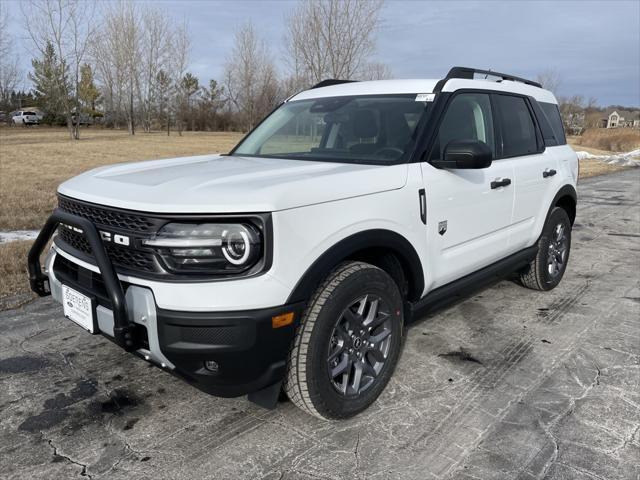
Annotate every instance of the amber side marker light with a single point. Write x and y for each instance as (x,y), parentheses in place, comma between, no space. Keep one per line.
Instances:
(282,320)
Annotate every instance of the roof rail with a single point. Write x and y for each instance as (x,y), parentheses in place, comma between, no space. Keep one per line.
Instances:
(468,73)
(331,81)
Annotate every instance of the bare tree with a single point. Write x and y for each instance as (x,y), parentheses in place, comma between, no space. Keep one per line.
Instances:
(572,111)
(332,38)
(67,25)
(140,55)
(9,70)
(376,71)
(117,52)
(156,53)
(180,51)
(550,79)
(106,72)
(250,77)
(5,41)
(163,84)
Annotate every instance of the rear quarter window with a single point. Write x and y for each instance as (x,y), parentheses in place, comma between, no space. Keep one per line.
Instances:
(552,113)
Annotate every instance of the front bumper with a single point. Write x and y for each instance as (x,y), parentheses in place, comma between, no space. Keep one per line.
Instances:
(249,352)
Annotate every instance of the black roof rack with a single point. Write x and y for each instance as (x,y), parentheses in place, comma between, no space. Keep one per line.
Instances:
(468,73)
(331,81)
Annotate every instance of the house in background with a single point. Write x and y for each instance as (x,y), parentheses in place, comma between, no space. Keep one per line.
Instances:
(623,119)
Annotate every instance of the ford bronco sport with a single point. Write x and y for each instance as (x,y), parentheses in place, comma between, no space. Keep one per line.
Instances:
(293,262)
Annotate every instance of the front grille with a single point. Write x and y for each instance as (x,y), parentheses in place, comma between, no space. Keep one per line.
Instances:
(82,279)
(120,256)
(109,217)
(125,259)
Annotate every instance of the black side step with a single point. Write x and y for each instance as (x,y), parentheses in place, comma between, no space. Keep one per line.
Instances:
(468,284)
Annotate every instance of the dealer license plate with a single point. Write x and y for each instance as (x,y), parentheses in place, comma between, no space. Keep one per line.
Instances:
(78,308)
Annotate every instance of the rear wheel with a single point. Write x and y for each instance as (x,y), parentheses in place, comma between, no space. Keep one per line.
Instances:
(347,344)
(547,269)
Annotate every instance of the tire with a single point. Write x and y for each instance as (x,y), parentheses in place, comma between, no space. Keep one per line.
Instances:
(337,323)
(547,269)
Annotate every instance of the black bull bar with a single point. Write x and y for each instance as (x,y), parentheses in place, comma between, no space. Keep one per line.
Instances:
(123,330)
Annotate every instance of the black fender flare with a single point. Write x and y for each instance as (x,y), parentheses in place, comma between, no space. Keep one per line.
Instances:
(565,191)
(375,238)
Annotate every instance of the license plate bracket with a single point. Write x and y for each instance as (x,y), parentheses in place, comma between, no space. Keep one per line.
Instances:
(79,308)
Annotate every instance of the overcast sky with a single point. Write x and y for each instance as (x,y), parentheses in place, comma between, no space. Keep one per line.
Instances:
(594,45)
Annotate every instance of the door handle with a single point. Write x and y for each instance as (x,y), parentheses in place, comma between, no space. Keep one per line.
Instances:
(500,182)
(549,172)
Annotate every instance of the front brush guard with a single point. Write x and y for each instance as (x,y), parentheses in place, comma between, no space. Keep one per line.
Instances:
(123,329)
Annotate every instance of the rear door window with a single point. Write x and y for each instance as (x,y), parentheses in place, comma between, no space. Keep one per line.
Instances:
(518,129)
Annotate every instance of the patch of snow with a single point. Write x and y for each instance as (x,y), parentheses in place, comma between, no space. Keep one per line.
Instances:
(6,237)
(629,159)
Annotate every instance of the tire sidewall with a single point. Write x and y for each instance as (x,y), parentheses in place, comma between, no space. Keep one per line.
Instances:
(323,394)
(557,216)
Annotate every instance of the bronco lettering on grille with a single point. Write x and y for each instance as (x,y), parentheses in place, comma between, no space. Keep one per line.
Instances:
(115,238)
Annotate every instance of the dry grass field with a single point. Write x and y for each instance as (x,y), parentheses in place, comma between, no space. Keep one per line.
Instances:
(610,139)
(590,167)
(14,286)
(33,161)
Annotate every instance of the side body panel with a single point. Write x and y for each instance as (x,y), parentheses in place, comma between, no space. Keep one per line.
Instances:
(304,234)
(534,193)
(477,219)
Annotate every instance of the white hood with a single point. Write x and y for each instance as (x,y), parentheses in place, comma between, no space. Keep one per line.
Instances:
(228,184)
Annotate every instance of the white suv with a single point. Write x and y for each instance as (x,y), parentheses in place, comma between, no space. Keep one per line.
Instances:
(296,260)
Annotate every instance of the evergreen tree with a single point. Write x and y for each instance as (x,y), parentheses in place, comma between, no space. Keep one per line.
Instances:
(87,90)
(51,85)
(188,87)
(163,90)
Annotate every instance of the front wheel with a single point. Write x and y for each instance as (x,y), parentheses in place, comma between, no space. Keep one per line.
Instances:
(347,344)
(546,270)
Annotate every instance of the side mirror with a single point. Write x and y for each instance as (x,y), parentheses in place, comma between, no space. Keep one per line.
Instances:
(465,154)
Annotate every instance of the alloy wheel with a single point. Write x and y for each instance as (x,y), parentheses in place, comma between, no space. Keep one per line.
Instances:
(557,255)
(359,345)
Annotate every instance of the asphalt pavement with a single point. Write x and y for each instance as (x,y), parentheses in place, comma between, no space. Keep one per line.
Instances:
(506,384)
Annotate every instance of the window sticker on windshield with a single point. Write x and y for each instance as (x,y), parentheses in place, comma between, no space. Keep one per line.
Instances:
(425,97)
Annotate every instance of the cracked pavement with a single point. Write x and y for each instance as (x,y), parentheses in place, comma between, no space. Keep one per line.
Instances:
(507,383)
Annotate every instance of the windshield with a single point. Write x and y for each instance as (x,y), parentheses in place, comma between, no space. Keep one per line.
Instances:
(361,129)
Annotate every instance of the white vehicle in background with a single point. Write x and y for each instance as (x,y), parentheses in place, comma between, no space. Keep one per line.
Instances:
(295,261)
(26,117)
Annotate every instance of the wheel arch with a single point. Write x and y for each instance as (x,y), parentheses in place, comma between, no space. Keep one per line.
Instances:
(567,199)
(383,248)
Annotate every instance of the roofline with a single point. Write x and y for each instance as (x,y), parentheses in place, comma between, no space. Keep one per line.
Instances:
(329,82)
(467,73)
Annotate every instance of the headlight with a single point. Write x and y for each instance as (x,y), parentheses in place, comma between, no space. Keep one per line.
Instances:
(208,248)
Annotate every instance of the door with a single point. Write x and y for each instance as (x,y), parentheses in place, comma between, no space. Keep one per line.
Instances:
(534,167)
(468,211)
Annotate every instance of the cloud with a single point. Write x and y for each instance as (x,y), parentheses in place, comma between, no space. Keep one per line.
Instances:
(594,45)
